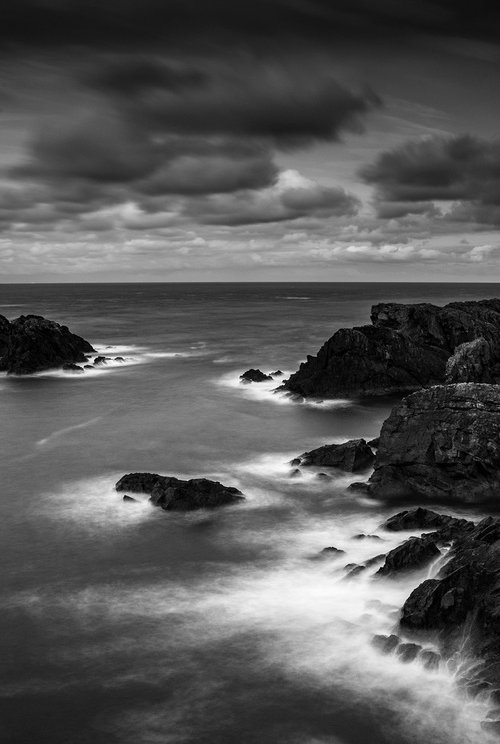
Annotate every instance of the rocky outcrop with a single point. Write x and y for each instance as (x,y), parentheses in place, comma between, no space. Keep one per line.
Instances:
(412,555)
(406,347)
(471,362)
(461,606)
(441,445)
(254,375)
(425,520)
(352,456)
(33,344)
(174,494)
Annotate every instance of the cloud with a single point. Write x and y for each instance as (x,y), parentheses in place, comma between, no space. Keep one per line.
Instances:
(291,198)
(462,169)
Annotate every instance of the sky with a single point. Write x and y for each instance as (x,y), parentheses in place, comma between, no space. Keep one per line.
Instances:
(249,140)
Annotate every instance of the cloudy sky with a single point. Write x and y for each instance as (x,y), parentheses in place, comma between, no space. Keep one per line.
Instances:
(178,140)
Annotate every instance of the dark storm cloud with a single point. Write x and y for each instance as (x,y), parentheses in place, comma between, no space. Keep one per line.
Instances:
(124,22)
(289,100)
(464,169)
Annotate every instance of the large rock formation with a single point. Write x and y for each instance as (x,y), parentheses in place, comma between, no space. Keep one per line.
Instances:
(352,456)
(441,445)
(461,607)
(32,344)
(406,347)
(174,494)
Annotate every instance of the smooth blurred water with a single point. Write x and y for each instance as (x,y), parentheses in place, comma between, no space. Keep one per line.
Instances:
(122,623)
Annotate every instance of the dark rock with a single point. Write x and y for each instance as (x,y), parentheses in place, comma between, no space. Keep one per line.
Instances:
(73,368)
(355,570)
(88,366)
(441,445)
(430,659)
(471,362)
(413,554)
(295,473)
(323,477)
(359,487)
(423,519)
(100,360)
(461,606)
(278,373)
(406,347)
(331,551)
(180,495)
(351,456)
(254,375)
(362,536)
(129,498)
(386,644)
(295,461)
(408,651)
(373,561)
(119,359)
(32,344)
(374,442)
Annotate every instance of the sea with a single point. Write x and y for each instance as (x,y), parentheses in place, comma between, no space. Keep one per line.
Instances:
(124,624)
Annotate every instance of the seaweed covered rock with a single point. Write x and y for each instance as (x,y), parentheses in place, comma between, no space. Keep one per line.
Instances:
(406,347)
(441,445)
(32,343)
(351,456)
(174,494)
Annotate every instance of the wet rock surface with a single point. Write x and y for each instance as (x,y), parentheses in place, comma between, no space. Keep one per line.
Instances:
(32,343)
(174,494)
(413,554)
(352,456)
(254,375)
(406,347)
(441,445)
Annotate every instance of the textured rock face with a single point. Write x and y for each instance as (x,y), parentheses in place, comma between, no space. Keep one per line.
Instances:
(463,603)
(410,556)
(352,456)
(424,520)
(471,362)
(34,344)
(254,375)
(174,494)
(405,348)
(441,445)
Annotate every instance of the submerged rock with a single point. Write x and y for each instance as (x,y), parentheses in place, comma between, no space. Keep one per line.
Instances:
(413,554)
(408,651)
(129,499)
(254,375)
(441,445)
(385,643)
(73,368)
(174,494)
(32,343)
(352,456)
(331,551)
(406,347)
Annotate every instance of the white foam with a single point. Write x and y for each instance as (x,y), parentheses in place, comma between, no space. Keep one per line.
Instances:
(93,505)
(267,391)
(67,429)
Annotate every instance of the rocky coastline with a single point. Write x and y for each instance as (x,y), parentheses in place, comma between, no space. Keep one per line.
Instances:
(439,446)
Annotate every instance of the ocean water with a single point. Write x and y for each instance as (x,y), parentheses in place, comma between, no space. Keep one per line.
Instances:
(123,624)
